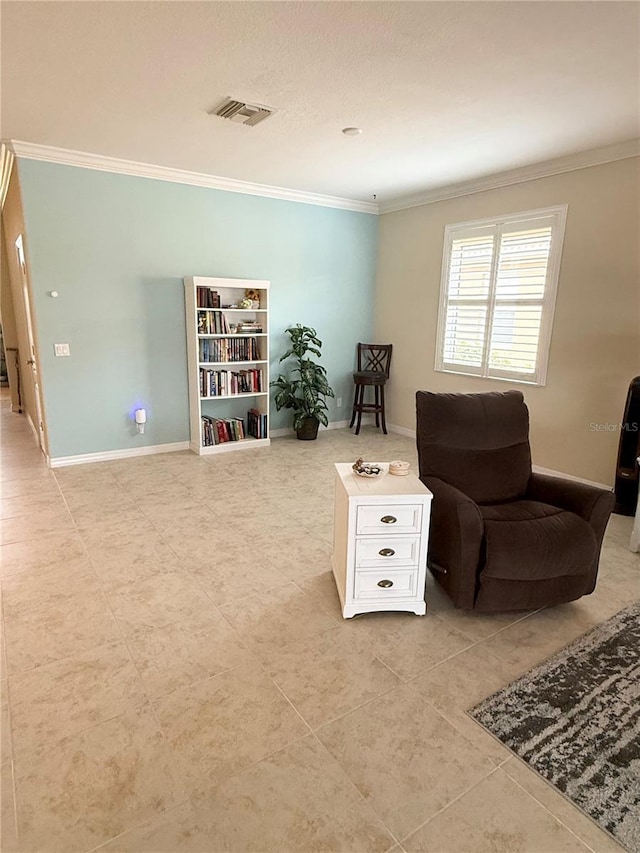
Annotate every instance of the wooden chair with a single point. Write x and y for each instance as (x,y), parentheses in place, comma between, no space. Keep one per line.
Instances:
(374,361)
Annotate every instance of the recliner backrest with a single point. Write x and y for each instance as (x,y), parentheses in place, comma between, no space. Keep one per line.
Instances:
(478,443)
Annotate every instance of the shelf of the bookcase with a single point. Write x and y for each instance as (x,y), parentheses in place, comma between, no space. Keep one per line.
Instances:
(235,335)
(232,363)
(245,444)
(236,396)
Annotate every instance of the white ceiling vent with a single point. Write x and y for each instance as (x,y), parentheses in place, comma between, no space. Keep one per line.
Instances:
(242,113)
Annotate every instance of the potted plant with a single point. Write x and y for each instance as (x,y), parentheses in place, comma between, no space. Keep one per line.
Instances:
(304,388)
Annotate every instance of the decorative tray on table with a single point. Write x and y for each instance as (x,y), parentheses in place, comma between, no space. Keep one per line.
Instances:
(366,469)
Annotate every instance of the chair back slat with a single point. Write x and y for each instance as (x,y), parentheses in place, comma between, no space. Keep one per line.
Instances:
(375,358)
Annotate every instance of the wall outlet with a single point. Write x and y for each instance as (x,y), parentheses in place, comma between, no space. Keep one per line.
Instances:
(338,401)
(61,349)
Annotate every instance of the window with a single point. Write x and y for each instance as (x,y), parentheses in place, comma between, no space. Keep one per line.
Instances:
(497,297)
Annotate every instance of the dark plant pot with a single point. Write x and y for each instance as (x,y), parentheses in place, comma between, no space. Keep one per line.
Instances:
(309,430)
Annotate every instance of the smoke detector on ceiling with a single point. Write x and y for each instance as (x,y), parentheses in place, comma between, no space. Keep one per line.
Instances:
(241,113)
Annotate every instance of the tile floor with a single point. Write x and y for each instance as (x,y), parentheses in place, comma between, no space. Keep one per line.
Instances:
(177,675)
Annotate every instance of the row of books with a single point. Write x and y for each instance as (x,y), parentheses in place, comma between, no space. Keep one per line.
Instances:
(249,327)
(257,423)
(207,298)
(217,383)
(229,349)
(213,323)
(220,430)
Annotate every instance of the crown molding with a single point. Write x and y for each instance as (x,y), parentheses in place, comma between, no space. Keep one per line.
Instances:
(85,160)
(581,160)
(6,164)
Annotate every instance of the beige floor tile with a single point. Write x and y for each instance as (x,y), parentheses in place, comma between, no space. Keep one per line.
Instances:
(24,505)
(175,510)
(406,760)
(406,643)
(95,785)
(158,600)
(219,726)
(110,534)
(540,635)
(277,618)
(477,626)
(323,589)
(41,554)
(494,815)
(96,518)
(133,560)
(6,742)
(297,557)
(455,686)
(32,472)
(235,580)
(51,633)
(3,654)
(194,546)
(327,675)
(28,489)
(175,831)
(8,830)
(293,801)
(184,652)
(62,584)
(25,528)
(55,701)
(572,817)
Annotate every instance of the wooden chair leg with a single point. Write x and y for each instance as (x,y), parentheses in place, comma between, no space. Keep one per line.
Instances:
(360,403)
(355,406)
(377,403)
(384,423)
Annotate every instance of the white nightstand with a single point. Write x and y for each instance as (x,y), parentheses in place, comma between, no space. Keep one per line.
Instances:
(380,537)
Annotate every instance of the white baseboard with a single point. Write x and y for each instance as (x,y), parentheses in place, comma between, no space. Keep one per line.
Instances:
(278,433)
(410,433)
(538,470)
(110,455)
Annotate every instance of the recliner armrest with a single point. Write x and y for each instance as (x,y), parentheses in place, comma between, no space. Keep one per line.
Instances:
(591,503)
(455,540)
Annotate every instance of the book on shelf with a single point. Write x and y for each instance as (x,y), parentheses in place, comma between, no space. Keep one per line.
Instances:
(228,349)
(257,423)
(221,430)
(207,298)
(220,383)
(212,323)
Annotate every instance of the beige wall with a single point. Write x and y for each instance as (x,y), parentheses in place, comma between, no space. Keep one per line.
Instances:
(595,348)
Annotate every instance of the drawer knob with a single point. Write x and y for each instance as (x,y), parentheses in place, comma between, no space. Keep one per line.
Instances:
(385,584)
(388,519)
(386,552)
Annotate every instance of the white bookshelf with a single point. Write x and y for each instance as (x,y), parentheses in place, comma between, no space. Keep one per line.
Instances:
(221,359)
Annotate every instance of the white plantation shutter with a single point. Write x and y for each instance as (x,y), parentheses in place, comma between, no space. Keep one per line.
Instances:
(498,294)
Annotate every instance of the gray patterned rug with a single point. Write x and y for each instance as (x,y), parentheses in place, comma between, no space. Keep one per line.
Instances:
(575,719)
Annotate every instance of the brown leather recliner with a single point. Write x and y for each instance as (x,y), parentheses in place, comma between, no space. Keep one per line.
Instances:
(502,537)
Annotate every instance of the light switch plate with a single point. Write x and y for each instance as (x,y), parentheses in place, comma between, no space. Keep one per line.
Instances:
(61,349)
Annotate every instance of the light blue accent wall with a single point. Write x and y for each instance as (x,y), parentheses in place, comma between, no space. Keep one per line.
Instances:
(116,248)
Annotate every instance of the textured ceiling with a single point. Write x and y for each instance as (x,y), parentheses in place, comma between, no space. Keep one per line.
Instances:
(444,91)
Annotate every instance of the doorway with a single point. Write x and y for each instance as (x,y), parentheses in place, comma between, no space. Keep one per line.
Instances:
(31,363)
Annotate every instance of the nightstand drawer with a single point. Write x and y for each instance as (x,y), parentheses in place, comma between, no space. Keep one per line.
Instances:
(389,551)
(386,585)
(393,518)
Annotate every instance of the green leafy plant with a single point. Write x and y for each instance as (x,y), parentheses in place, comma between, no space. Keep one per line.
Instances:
(304,388)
